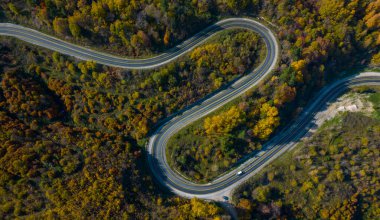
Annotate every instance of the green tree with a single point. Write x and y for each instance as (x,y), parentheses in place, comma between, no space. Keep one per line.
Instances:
(74,27)
(60,26)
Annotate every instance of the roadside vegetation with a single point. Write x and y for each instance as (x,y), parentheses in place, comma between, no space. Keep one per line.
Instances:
(334,174)
(213,144)
(73,133)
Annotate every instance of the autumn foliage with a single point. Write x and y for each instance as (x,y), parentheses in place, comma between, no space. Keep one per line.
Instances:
(72,133)
(331,176)
(223,123)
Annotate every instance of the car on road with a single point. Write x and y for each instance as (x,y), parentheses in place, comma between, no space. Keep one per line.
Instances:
(239,173)
(225,198)
(261,153)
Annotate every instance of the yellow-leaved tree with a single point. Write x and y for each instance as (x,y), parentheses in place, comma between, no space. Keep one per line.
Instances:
(199,209)
(203,209)
(269,120)
(224,122)
(299,66)
(372,20)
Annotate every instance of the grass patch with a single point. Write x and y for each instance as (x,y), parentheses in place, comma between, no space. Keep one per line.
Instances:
(375,99)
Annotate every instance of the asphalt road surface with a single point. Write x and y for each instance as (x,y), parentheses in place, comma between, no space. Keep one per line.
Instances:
(169,178)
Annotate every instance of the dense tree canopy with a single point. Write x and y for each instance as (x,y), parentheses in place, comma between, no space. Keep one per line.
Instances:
(73,132)
(70,132)
(224,122)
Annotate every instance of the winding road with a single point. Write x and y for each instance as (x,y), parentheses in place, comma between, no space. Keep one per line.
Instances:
(44,40)
(169,178)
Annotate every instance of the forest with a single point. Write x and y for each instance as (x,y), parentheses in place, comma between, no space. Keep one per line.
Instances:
(53,168)
(83,120)
(73,132)
(332,175)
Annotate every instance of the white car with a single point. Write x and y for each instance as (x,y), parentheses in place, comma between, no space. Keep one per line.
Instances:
(239,173)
